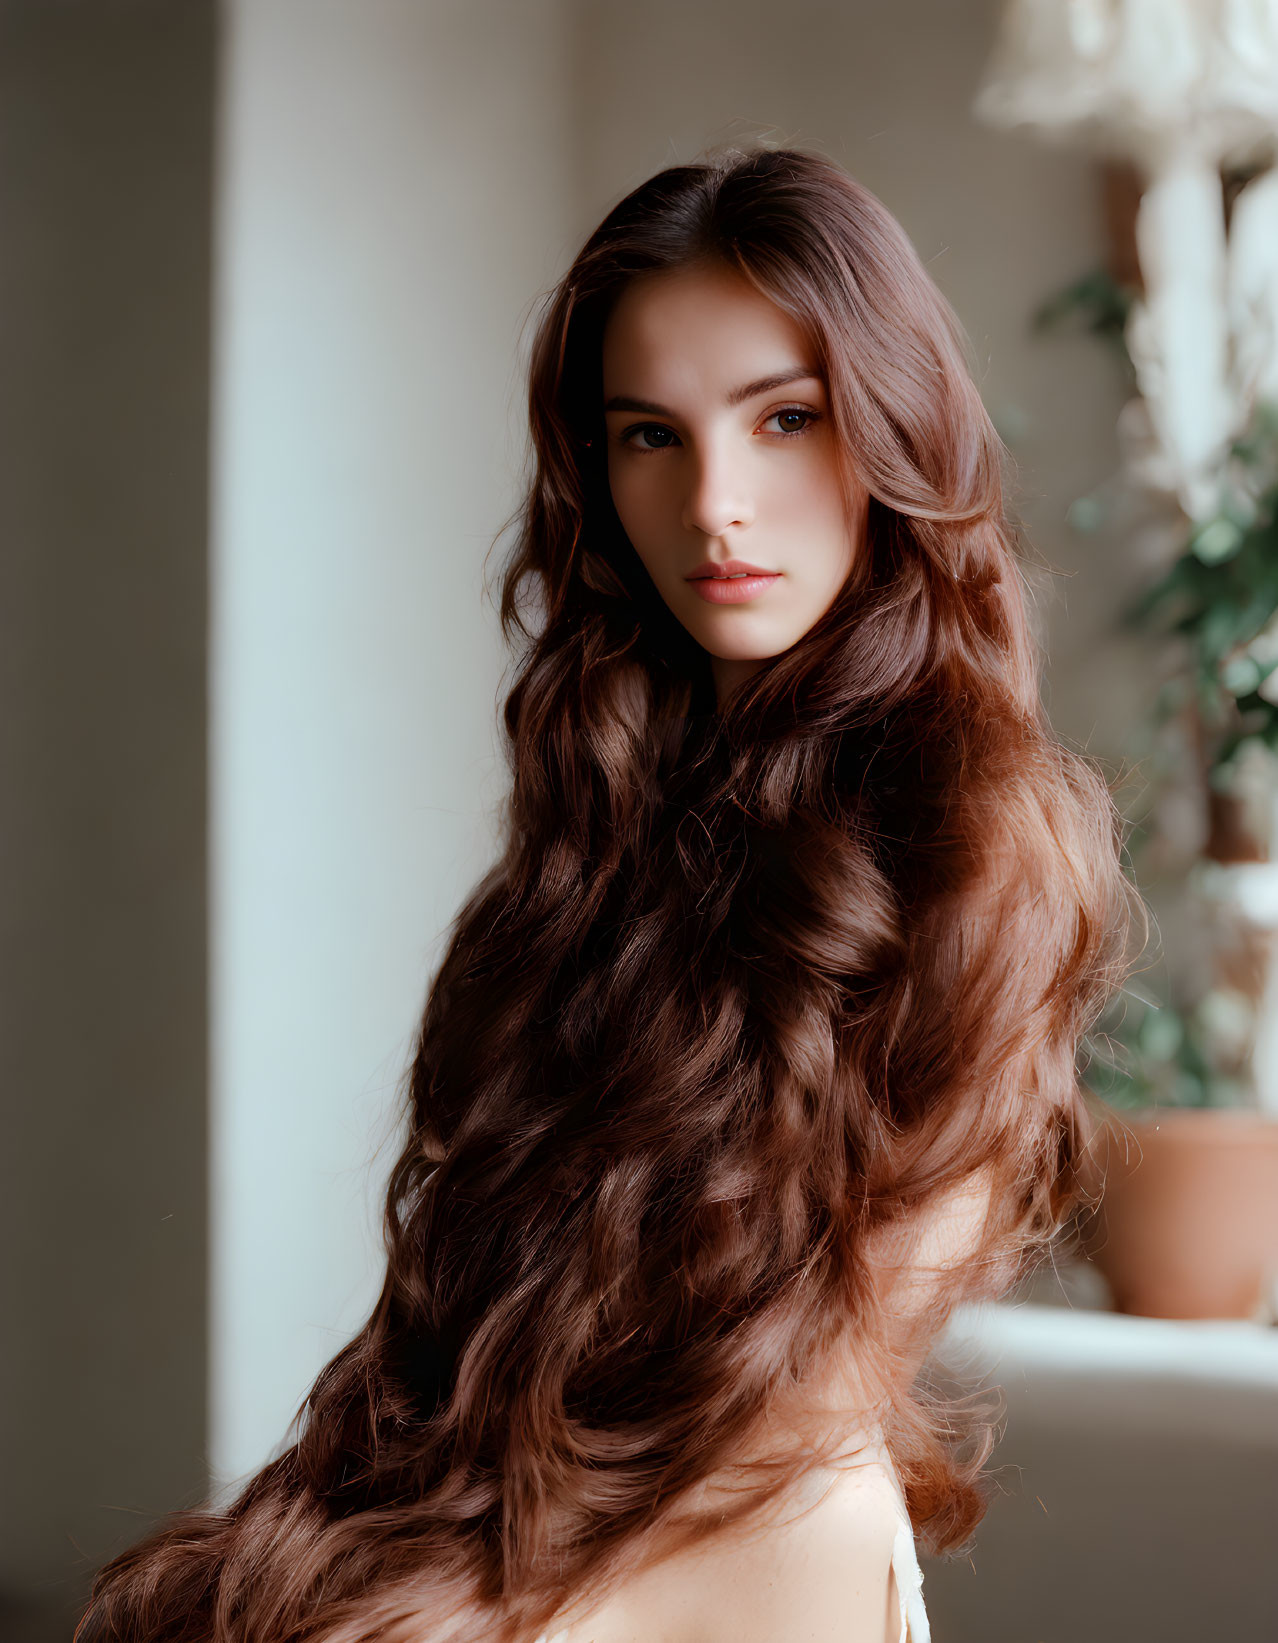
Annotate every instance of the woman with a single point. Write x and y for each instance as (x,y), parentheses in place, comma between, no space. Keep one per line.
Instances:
(755,1053)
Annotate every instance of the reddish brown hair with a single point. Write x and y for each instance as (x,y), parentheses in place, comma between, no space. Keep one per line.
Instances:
(742,997)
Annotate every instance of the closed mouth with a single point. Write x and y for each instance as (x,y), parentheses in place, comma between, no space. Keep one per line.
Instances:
(731,570)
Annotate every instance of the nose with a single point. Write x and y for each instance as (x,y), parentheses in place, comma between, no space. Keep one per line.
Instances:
(718,494)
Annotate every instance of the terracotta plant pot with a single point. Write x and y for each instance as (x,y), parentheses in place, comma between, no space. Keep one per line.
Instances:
(1188,1221)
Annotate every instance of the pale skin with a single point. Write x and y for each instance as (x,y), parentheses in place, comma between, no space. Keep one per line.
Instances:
(720,448)
(700,476)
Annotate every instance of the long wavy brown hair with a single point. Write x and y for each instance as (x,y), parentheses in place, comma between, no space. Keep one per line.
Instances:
(744,995)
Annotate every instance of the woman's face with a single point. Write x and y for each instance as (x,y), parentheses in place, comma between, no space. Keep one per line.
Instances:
(721,459)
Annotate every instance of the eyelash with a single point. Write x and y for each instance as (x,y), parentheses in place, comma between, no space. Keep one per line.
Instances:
(813,417)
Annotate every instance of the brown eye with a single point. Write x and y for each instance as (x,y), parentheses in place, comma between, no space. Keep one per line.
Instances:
(647,428)
(808,418)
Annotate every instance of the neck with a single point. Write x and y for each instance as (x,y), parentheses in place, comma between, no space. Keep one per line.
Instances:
(729,672)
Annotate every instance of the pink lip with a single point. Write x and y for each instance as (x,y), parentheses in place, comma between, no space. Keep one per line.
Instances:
(729,567)
(722,590)
(731,582)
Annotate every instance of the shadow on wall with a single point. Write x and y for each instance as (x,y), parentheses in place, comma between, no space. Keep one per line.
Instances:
(105,159)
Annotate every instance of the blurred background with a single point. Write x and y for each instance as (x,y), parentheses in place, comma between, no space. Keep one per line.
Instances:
(267,273)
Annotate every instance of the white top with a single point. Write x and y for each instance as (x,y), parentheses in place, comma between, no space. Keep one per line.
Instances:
(909,1583)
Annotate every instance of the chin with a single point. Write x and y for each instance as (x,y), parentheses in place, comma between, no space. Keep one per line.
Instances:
(749,652)
(742,641)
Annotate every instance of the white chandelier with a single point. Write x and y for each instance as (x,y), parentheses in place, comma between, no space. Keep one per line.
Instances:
(1178,87)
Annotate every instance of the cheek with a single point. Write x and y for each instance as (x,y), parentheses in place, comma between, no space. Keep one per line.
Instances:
(805,505)
(639,501)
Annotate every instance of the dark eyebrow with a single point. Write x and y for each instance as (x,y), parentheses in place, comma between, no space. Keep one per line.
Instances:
(738,396)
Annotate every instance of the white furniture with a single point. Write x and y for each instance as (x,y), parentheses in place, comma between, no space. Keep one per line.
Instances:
(1137,1480)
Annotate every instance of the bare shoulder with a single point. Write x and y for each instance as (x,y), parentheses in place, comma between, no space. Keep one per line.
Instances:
(852,1543)
(819,1569)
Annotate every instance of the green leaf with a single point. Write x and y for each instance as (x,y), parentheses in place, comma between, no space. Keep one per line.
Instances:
(1218,540)
(1241,675)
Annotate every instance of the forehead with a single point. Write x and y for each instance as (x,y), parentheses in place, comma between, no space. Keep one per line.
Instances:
(704,325)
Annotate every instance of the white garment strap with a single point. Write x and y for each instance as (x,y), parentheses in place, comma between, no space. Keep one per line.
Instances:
(909,1585)
(905,1563)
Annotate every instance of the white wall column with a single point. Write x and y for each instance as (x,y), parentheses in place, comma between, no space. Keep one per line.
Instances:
(394,193)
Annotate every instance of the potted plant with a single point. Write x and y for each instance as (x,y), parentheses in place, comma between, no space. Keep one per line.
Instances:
(1185,1178)
(1183,1073)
